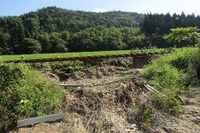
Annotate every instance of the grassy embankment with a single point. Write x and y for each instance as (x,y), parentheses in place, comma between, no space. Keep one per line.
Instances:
(74,54)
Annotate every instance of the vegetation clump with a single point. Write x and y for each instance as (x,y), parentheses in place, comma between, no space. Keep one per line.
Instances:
(26,93)
(171,75)
(177,70)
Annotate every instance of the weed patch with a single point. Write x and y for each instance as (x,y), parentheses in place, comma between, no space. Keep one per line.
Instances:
(26,93)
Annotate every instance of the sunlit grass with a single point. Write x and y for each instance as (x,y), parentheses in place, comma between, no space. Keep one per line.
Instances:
(74,54)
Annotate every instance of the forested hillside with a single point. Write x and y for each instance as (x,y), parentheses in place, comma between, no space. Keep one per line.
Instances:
(53,29)
(52,19)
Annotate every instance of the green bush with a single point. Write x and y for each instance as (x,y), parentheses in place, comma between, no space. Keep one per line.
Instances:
(177,70)
(161,74)
(174,73)
(26,93)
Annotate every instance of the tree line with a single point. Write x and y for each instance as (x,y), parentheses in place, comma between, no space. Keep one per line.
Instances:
(55,29)
(90,39)
(157,25)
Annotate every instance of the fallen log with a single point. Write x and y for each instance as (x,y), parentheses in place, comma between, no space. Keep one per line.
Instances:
(93,85)
(152,89)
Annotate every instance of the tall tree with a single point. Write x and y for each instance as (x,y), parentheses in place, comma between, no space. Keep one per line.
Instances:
(30,46)
(183,36)
(4,43)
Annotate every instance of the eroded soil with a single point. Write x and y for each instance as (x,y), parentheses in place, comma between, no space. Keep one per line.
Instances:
(113,107)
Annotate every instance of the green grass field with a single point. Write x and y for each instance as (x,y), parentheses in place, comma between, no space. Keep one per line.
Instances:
(74,54)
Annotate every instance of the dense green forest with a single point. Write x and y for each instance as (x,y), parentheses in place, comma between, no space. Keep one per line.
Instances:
(53,29)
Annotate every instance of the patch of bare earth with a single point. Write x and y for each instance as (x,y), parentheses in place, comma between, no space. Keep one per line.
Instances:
(113,107)
(187,122)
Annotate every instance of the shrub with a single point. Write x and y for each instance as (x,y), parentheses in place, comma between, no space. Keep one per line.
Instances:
(161,74)
(177,70)
(173,73)
(26,93)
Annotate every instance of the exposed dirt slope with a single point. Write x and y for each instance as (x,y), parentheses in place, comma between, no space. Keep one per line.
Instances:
(187,122)
(114,107)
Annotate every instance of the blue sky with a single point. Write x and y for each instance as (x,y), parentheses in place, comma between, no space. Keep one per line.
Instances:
(18,7)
